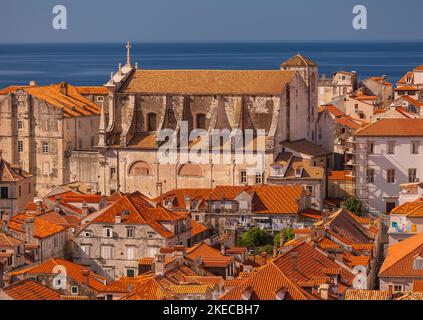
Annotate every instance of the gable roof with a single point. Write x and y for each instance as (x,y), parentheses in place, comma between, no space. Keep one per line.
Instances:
(268,82)
(410,209)
(42,228)
(135,209)
(311,265)
(10,173)
(298,61)
(264,285)
(392,128)
(30,290)
(73,270)
(9,241)
(400,258)
(62,96)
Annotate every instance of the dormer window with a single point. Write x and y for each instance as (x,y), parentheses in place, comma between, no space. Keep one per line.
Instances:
(298,173)
(418,263)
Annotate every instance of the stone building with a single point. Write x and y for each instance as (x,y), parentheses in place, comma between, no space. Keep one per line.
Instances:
(143,102)
(17,188)
(341,84)
(42,126)
(114,241)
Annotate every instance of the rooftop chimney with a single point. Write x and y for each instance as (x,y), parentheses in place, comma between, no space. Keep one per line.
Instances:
(85,209)
(33,83)
(85,276)
(223,249)
(38,207)
(159,264)
(294,261)
(64,88)
(5,222)
(118,219)
(324,291)
(29,226)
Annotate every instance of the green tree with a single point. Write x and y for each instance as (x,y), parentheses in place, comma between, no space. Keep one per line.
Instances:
(255,237)
(354,205)
(267,248)
(287,234)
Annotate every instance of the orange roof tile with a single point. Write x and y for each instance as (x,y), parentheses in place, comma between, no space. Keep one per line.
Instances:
(30,290)
(197,228)
(202,250)
(134,209)
(339,175)
(418,286)
(73,270)
(208,81)
(264,285)
(9,241)
(400,258)
(10,173)
(392,128)
(352,294)
(42,228)
(87,90)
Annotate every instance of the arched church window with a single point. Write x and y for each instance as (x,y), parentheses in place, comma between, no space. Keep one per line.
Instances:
(151,122)
(201,121)
(140,168)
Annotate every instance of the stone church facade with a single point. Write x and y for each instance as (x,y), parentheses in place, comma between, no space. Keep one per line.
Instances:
(282,102)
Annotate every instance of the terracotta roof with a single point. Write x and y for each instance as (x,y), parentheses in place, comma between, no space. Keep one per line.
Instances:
(87,90)
(407,88)
(348,122)
(202,250)
(197,228)
(311,265)
(73,270)
(30,290)
(400,258)
(295,163)
(277,199)
(269,82)
(134,209)
(179,195)
(305,147)
(264,285)
(9,241)
(10,173)
(410,209)
(184,289)
(226,192)
(352,294)
(298,61)
(62,96)
(411,296)
(411,101)
(418,286)
(410,75)
(339,175)
(42,228)
(216,261)
(392,128)
(336,112)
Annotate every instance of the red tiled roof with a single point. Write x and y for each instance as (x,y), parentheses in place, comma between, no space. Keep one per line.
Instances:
(197,228)
(392,128)
(264,285)
(73,270)
(138,211)
(401,256)
(339,175)
(9,241)
(42,228)
(30,290)
(311,265)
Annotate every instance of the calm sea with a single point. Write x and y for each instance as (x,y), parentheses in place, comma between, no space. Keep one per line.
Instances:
(91,64)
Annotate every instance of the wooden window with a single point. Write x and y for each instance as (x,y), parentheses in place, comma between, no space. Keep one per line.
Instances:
(370,175)
(412,175)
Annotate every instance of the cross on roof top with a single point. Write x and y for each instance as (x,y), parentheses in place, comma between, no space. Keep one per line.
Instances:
(128,53)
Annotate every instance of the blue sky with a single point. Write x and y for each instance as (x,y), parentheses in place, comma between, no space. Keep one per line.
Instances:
(24,21)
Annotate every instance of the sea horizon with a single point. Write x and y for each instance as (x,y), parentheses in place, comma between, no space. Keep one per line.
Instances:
(91,63)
